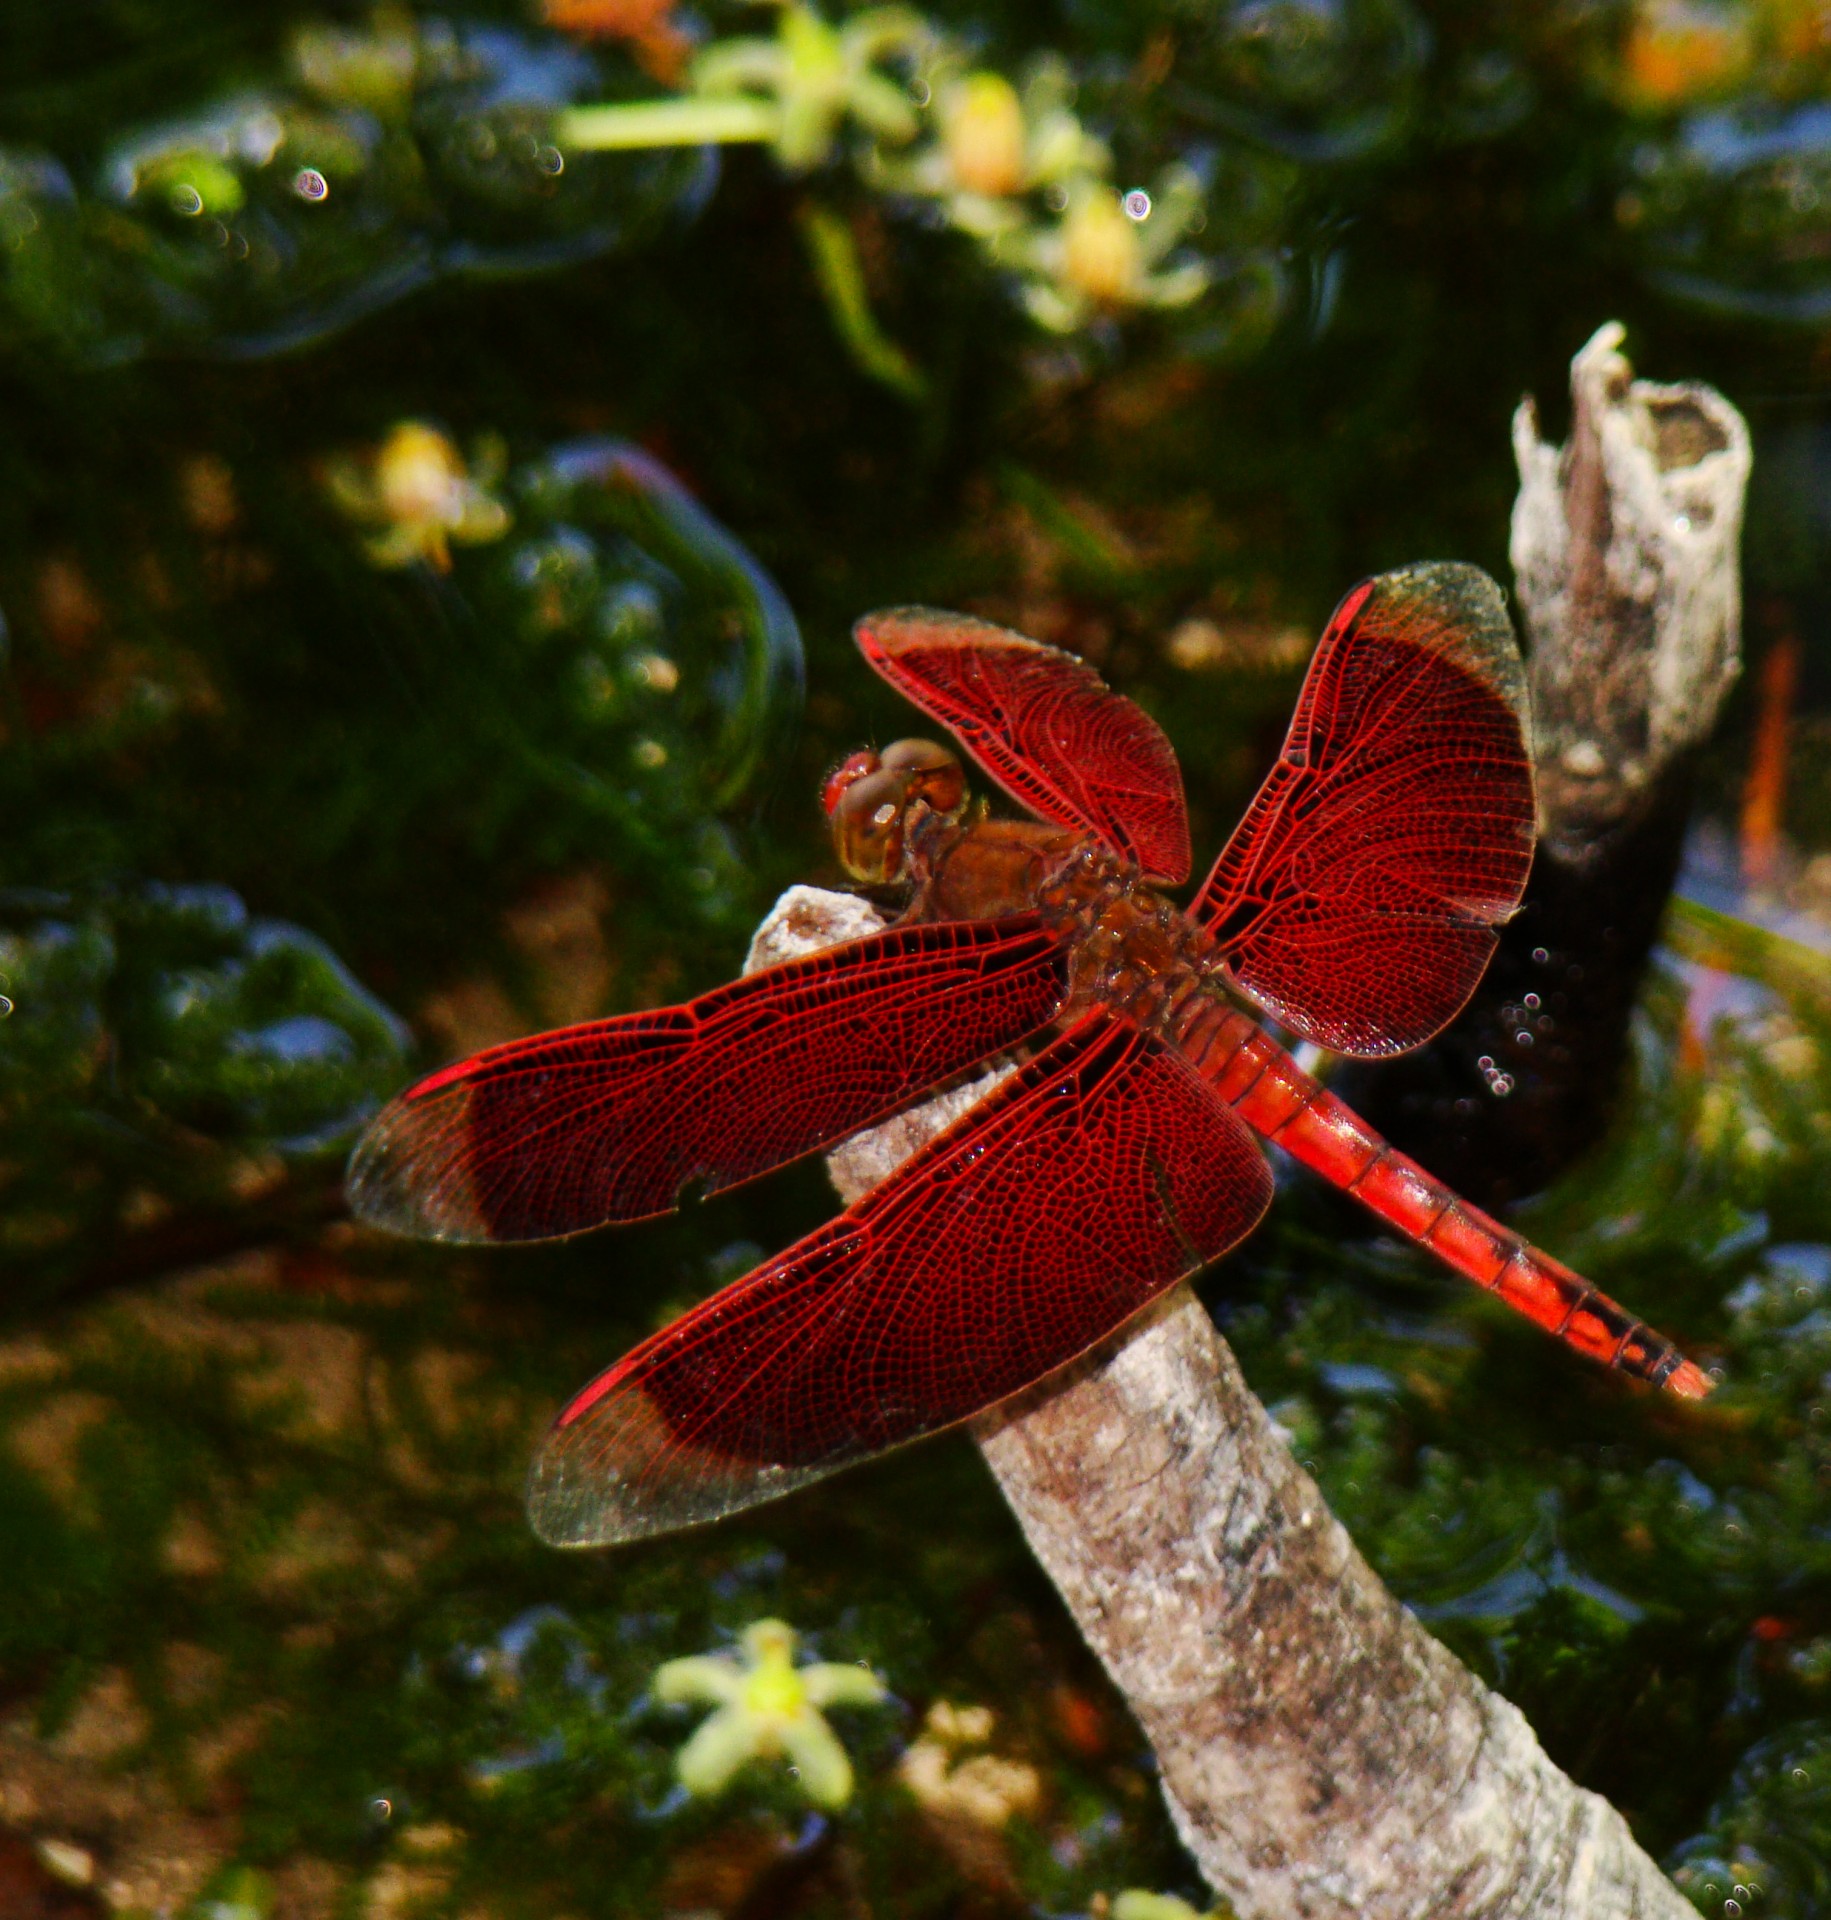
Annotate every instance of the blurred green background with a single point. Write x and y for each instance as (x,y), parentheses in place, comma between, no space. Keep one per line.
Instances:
(428,549)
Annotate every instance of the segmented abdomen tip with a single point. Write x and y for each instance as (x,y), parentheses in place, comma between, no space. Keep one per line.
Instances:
(1689,1381)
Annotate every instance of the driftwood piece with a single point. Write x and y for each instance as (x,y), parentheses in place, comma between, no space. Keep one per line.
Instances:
(1323,1757)
(1624,544)
(1625,553)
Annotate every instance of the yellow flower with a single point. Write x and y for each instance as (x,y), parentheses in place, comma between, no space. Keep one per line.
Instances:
(995,145)
(1108,252)
(1101,256)
(982,135)
(419,496)
(766,1708)
(1677,52)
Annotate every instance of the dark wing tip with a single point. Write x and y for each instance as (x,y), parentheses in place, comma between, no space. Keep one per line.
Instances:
(1467,606)
(613,1469)
(894,630)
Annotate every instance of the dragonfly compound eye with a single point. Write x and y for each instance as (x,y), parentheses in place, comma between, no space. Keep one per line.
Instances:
(935,773)
(868,825)
(853,767)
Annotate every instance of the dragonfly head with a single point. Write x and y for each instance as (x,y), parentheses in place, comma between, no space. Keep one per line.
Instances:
(873,799)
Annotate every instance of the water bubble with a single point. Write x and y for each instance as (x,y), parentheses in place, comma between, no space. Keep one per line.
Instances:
(921,93)
(1523,1038)
(1802,1777)
(1138,204)
(381,1808)
(6,1006)
(1540,955)
(1681,523)
(1732,1908)
(187,200)
(794,1773)
(650,754)
(1057,197)
(1532,1000)
(550,160)
(309,184)
(1486,1063)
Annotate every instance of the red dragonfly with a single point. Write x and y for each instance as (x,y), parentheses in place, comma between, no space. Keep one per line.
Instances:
(1355,904)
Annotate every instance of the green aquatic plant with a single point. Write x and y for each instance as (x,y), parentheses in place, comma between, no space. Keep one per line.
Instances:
(164,1051)
(795,91)
(1014,169)
(374,161)
(765,1707)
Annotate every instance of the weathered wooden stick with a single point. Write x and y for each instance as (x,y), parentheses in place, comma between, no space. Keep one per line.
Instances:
(1625,553)
(1323,1757)
(1624,548)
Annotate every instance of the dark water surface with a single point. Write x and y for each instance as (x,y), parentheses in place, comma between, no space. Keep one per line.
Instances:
(299,793)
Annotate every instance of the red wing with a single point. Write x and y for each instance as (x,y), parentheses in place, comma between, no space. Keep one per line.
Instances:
(1044,725)
(1080,1188)
(611,1120)
(1356,900)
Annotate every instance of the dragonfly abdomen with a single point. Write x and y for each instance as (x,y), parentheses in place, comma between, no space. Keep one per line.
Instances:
(1268,1089)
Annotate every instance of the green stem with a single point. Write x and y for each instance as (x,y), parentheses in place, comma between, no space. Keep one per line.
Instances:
(1704,934)
(841,277)
(689,121)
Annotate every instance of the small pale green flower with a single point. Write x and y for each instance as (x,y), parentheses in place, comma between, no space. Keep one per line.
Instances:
(242,1893)
(794,91)
(818,76)
(766,1708)
(1135,1904)
(1109,252)
(419,496)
